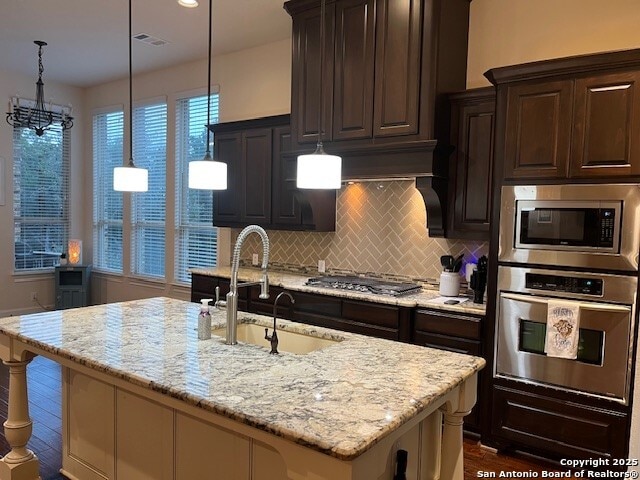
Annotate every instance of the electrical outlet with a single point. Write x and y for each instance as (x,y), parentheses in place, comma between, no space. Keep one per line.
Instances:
(34,296)
(321,266)
(254,259)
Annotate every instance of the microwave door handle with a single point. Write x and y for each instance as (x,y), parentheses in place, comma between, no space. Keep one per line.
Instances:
(601,307)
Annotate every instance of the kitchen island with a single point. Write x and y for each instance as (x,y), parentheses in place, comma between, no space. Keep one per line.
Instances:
(144,398)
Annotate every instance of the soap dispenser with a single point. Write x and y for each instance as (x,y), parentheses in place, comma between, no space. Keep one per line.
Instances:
(204,320)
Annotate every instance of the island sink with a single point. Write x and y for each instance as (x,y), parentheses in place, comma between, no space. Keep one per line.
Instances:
(290,342)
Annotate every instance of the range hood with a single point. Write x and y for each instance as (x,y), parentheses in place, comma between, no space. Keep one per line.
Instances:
(420,160)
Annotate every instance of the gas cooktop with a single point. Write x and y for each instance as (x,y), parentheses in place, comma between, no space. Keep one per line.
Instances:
(365,285)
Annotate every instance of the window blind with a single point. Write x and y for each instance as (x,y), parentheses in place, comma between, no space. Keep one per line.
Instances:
(196,238)
(40,197)
(148,209)
(108,130)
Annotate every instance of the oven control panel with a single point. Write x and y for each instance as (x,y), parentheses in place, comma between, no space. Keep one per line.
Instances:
(560,283)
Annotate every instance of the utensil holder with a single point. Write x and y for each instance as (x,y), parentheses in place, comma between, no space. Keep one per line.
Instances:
(449,284)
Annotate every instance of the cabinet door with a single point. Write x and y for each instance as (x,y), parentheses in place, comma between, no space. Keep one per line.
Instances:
(305,84)
(606,139)
(285,208)
(471,170)
(354,52)
(397,67)
(226,205)
(255,173)
(538,130)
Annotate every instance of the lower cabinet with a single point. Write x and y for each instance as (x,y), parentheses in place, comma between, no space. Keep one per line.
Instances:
(366,318)
(549,424)
(456,333)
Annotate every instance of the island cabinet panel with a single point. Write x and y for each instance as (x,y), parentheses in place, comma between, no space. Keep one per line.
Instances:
(144,438)
(558,427)
(89,434)
(204,450)
(453,332)
(471,166)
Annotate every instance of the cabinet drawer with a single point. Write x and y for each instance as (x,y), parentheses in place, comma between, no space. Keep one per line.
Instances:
(445,342)
(448,324)
(374,314)
(558,428)
(317,304)
(265,306)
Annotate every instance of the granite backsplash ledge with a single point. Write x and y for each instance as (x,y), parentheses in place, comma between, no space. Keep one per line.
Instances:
(380,231)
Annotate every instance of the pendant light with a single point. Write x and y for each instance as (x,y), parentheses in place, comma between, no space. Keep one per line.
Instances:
(208,174)
(319,170)
(130,178)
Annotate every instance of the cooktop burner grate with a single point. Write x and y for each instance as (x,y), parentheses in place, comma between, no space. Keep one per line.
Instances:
(365,285)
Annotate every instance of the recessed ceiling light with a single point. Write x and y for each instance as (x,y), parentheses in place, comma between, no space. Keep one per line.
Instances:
(188,3)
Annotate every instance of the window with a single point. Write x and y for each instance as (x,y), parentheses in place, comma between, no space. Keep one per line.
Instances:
(108,131)
(196,238)
(40,197)
(148,209)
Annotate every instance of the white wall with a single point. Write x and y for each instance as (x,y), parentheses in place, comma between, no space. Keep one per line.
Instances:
(15,293)
(253,83)
(509,32)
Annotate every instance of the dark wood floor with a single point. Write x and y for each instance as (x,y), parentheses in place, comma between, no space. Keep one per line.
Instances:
(44,383)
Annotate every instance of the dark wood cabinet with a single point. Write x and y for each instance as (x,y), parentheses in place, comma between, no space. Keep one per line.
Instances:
(576,117)
(454,332)
(261,180)
(470,168)
(386,64)
(366,318)
(558,428)
(538,134)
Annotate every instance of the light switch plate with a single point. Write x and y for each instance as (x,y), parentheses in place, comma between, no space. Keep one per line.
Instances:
(254,259)
(321,266)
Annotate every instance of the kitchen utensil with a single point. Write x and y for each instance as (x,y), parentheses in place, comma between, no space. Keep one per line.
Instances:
(478,281)
(457,263)
(447,262)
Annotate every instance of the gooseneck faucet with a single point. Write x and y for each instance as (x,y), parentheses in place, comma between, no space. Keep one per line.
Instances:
(273,338)
(232,296)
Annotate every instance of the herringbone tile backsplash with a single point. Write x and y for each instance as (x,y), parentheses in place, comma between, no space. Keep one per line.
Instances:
(380,229)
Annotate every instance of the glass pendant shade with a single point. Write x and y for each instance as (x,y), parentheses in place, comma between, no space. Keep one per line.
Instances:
(319,170)
(188,3)
(130,179)
(207,175)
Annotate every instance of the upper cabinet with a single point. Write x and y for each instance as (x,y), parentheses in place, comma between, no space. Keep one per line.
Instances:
(387,68)
(470,169)
(261,180)
(577,117)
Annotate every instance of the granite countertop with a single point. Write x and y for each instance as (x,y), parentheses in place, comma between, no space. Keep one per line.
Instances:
(339,400)
(293,281)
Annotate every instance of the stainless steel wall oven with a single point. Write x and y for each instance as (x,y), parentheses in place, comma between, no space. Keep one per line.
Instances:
(578,244)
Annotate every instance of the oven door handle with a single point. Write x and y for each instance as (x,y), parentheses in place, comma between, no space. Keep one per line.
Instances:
(606,307)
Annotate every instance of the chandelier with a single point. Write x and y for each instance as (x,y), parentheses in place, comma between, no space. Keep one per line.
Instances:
(38,117)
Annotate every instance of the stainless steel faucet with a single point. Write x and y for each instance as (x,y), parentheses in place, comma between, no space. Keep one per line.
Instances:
(273,338)
(232,297)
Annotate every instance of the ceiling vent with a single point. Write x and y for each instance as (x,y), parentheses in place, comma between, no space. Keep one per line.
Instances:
(149,39)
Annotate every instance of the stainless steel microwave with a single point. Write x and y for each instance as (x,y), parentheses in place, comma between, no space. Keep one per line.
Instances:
(591,226)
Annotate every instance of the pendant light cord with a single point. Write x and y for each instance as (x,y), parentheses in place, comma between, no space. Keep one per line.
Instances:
(131,164)
(207,155)
(321,82)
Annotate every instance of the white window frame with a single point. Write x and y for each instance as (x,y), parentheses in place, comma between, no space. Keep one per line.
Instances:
(184,256)
(47,256)
(103,186)
(139,226)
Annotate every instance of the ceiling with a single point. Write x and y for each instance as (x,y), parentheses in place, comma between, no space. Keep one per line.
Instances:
(87,39)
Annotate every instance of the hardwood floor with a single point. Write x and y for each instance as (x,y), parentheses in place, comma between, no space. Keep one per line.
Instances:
(44,383)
